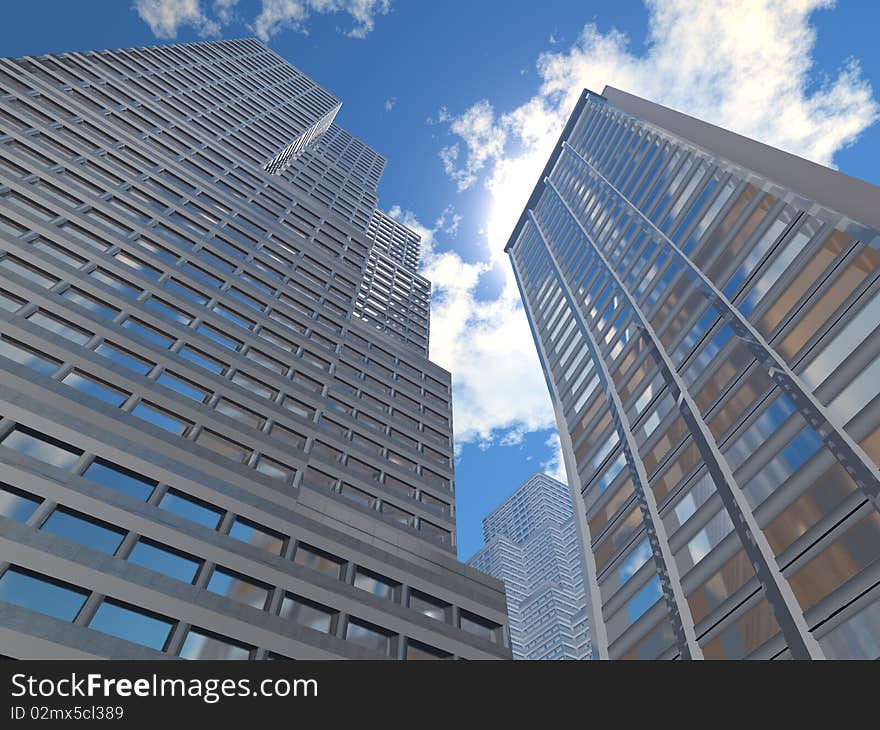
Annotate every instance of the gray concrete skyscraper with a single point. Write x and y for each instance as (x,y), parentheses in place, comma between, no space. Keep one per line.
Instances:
(220,434)
(532,544)
(706,311)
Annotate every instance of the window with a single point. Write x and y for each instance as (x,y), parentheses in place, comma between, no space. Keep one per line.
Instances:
(174,564)
(368,636)
(307,613)
(16,504)
(429,606)
(316,559)
(233,585)
(418,650)
(27,356)
(84,530)
(162,418)
(191,509)
(60,327)
(96,388)
(183,386)
(396,514)
(358,496)
(124,357)
(41,594)
(132,624)
(148,332)
(258,536)
(478,626)
(203,645)
(373,583)
(42,447)
(222,445)
(120,479)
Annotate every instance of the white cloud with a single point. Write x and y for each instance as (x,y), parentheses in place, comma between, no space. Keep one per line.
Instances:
(499,393)
(743,64)
(390,103)
(276,15)
(554,466)
(166,17)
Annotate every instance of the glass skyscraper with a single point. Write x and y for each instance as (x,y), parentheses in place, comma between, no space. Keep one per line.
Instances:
(220,433)
(532,544)
(706,311)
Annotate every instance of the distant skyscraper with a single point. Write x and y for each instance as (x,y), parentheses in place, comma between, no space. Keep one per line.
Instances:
(531,543)
(706,311)
(220,434)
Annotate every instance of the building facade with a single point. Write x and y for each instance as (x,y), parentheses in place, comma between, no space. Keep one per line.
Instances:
(206,450)
(706,311)
(532,545)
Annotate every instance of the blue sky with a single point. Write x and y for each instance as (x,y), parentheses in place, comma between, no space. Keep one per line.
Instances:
(465,98)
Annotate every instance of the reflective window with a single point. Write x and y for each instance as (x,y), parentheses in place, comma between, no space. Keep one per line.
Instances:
(318,560)
(307,613)
(373,583)
(174,564)
(42,447)
(419,651)
(478,626)
(85,383)
(191,509)
(429,606)
(84,530)
(132,624)
(233,585)
(644,599)
(120,479)
(204,645)
(41,594)
(368,636)
(256,535)
(16,504)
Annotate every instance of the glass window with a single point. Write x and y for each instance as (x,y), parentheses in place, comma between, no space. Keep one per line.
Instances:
(428,605)
(85,383)
(161,418)
(204,645)
(148,332)
(16,504)
(124,357)
(418,650)
(191,509)
(27,356)
(42,447)
(307,613)
(316,559)
(222,445)
(183,386)
(132,624)
(644,599)
(258,536)
(368,636)
(479,626)
(233,585)
(376,584)
(174,564)
(41,594)
(84,530)
(120,479)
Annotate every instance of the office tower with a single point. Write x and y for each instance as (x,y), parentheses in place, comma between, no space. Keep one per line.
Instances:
(532,544)
(207,450)
(705,308)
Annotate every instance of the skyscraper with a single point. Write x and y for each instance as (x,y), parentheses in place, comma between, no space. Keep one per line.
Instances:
(705,308)
(532,544)
(221,435)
